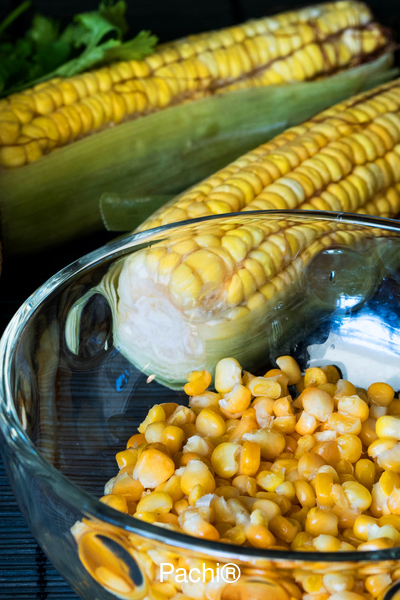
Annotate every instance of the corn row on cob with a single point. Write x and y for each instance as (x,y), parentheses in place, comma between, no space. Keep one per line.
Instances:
(347,158)
(185,303)
(294,46)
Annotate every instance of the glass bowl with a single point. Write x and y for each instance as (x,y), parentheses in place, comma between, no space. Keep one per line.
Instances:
(63,416)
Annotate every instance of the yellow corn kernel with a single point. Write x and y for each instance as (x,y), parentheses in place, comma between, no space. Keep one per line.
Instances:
(210,424)
(302,541)
(345,388)
(197,473)
(377,411)
(317,403)
(288,365)
(225,459)
(344,424)
(321,522)
(394,408)
(153,467)
(115,501)
(236,401)
(264,408)
(354,406)
(378,583)
(125,486)
(323,483)
(195,494)
(135,440)
(364,471)
(267,508)
(388,427)
(393,502)
(173,438)
(269,480)
(362,525)
(198,383)
(155,502)
(282,407)
(156,413)
(368,432)
(172,487)
(380,445)
(271,442)
(350,447)
(393,520)
(376,545)
(305,494)
(380,394)
(200,528)
(283,528)
(309,464)
(259,536)
(286,489)
(181,417)
(180,506)
(326,543)
(304,444)
(228,372)
(388,481)
(245,485)
(250,456)
(154,432)
(358,497)
(306,424)
(127,458)
(314,376)
(263,386)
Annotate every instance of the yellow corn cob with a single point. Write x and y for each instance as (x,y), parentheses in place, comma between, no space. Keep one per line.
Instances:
(185,303)
(293,46)
(347,158)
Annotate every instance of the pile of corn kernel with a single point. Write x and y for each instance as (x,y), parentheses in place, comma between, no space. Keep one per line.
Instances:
(249,465)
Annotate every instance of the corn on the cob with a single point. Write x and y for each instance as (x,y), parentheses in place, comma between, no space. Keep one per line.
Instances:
(183,304)
(294,46)
(347,158)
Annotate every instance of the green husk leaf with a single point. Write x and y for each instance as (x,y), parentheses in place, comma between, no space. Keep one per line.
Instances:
(123,214)
(57,198)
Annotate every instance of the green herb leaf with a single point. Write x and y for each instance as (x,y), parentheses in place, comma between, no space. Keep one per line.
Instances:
(93,39)
(44,31)
(141,45)
(115,14)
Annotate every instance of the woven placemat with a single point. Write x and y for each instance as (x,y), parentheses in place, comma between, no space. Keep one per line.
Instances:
(25,572)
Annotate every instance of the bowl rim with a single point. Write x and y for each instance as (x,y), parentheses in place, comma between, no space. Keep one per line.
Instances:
(15,439)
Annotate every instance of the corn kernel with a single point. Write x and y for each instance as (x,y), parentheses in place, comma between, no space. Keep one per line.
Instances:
(380,394)
(225,459)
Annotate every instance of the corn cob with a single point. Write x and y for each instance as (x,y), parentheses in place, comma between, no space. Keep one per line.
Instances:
(294,46)
(216,290)
(347,158)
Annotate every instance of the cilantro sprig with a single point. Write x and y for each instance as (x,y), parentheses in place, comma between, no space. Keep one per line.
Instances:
(91,40)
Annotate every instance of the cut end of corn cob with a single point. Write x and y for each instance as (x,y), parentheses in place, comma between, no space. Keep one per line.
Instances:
(183,304)
(295,46)
(346,158)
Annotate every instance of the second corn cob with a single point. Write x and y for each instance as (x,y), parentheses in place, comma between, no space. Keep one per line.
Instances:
(295,46)
(347,158)
(214,290)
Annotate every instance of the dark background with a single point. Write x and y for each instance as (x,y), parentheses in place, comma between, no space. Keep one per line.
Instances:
(25,573)
(170,19)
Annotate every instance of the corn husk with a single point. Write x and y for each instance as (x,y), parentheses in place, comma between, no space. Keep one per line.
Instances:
(57,198)
(161,338)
